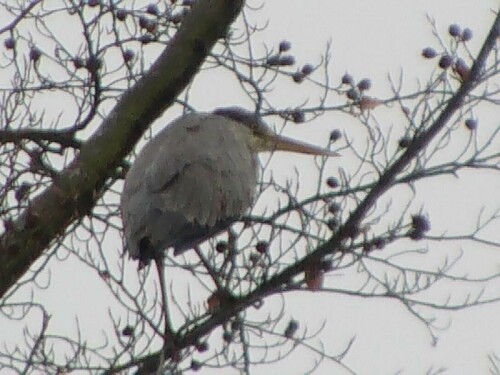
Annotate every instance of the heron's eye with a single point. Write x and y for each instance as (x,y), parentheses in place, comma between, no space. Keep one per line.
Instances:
(257,130)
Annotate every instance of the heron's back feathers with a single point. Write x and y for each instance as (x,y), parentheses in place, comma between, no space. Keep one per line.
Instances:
(189,182)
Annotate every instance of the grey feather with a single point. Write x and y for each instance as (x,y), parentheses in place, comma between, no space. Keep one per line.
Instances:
(189,182)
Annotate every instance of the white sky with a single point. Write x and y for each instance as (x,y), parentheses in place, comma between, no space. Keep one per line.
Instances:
(369,39)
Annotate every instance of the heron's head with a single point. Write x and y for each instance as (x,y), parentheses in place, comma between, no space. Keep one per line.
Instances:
(262,138)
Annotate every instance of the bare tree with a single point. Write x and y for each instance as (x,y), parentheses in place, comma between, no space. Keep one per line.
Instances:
(61,173)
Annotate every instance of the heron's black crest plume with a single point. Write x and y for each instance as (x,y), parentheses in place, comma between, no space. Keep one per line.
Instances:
(241,115)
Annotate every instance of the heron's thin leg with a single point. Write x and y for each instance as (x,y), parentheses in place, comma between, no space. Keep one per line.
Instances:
(168,334)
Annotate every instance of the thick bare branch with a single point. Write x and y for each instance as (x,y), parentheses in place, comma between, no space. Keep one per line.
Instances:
(77,188)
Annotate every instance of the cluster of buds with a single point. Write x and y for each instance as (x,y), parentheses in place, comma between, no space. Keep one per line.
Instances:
(459,66)
(334,208)
(378,243)
(299,75)
(357,89)
(419,225)
(461,35)
(281,58)
(284,59)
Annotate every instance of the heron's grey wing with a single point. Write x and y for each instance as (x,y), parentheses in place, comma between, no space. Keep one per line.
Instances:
(195,205)
(189,175)
(203,169)
(137,203)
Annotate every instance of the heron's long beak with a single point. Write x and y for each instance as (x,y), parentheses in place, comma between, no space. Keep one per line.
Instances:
(282,143)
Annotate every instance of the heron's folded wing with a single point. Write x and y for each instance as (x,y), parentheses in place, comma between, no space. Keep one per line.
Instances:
(204,192)
(200,169)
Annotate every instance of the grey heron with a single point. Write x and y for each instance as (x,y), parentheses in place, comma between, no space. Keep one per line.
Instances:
(195,178)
